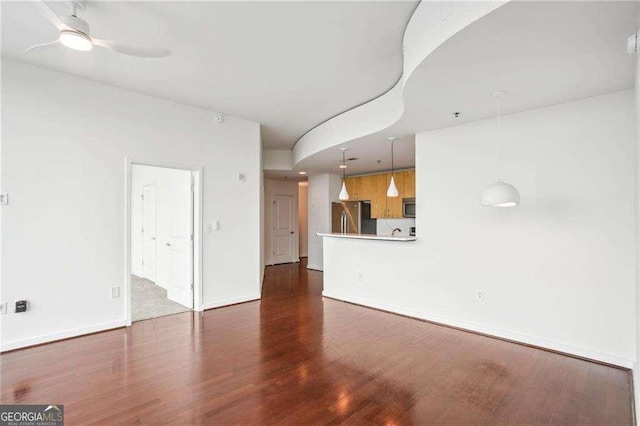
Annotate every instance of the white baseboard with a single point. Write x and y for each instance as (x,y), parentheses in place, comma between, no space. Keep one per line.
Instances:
(315,267)
(52,337)
(231,301)
(517,337)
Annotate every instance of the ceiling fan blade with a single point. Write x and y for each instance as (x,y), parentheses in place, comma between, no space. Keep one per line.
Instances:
(50,14)
(37,46)
(132,49)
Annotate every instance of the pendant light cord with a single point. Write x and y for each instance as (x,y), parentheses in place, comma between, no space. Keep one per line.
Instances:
(392,141)
(344,169)
(498,138)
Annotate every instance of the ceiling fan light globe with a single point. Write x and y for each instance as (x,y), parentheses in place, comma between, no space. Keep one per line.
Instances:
(76,40)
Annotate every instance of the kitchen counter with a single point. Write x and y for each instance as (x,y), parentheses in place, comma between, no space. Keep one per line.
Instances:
(368,237)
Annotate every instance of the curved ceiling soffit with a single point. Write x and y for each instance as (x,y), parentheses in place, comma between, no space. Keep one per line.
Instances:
(430,26)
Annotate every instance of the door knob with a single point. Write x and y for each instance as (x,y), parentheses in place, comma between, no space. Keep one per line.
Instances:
(167,244)
(292,232)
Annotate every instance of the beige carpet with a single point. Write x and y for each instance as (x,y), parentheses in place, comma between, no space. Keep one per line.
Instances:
(149,300)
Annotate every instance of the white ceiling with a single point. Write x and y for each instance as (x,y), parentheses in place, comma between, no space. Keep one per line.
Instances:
(286,65)
(539,53)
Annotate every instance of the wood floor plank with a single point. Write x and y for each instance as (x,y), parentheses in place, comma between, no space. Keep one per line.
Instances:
(295,358)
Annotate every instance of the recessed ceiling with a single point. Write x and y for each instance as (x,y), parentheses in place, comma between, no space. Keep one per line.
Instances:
(285,175)
(539,53)
(286,65)
(373,156)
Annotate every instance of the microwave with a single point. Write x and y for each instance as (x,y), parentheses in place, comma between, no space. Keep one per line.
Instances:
(408,207)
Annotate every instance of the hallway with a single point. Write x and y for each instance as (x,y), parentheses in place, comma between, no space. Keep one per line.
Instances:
(297,358)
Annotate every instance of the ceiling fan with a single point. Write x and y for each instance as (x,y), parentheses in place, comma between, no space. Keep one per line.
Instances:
(74,33)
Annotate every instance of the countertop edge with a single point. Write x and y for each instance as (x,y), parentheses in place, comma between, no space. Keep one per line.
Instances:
(367,237)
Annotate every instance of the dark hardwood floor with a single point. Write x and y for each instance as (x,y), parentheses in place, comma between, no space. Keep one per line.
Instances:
(296,358)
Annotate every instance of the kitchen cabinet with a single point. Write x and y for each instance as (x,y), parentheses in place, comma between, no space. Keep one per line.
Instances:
(409,184)
(367,187)
(354,187)
(374,188)
(378,195)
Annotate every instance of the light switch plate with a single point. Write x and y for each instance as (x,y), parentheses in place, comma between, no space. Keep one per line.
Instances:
(4,199)
(3,308)
(115,292)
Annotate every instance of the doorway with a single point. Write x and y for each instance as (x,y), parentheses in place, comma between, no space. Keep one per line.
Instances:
(283,225)
(163,225)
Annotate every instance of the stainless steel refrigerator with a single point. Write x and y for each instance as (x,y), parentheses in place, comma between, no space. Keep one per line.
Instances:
(352,217)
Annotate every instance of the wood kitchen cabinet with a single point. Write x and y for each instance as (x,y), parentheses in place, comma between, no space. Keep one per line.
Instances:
(360,188)
(378,195)
(353,187)
(409,184)
(374,188)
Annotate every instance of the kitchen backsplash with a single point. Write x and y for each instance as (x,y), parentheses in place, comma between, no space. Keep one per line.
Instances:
(386,226)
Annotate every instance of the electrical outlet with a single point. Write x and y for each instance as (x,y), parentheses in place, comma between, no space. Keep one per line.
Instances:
(21,306)
(115,292)
(3,308)
(4,199)
(480,296)
(360,277)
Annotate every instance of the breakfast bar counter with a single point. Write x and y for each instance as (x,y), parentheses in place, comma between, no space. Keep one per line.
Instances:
(368,237)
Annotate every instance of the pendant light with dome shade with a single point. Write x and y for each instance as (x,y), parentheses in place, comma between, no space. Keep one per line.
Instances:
(344,195)
(500,194)
(392,191)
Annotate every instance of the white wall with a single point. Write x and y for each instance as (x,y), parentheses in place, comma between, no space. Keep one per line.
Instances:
(303,216)
(64,143)
(323,190)
(278,187)
(276,159)
(170,185)
(556,271)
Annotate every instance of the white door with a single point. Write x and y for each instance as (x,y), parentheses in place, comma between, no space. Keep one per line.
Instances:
(181,242)
(149,229)
(282,229)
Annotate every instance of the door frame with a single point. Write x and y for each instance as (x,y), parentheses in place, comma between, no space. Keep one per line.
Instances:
(295,254)
(198,173)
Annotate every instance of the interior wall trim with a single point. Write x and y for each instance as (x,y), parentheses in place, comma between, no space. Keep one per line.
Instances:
(61,335)
(231,301)
(518,338)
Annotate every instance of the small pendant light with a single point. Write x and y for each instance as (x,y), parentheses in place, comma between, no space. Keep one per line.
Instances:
(393,189)
(344,195)
(500,194)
